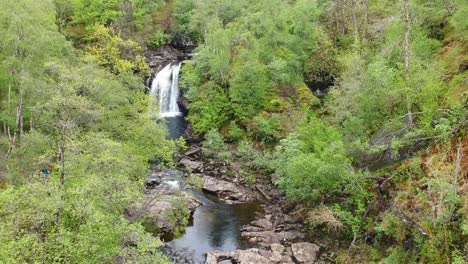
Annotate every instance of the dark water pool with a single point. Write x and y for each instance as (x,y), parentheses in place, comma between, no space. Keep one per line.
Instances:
(215,226)
(176,126)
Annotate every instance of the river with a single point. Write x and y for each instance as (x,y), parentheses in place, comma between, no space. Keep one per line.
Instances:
(214,225)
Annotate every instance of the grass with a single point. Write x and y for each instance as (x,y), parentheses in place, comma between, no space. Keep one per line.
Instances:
(195,181)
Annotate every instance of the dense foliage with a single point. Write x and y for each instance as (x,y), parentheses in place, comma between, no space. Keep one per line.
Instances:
(388,132)
(76,138)
(356,109)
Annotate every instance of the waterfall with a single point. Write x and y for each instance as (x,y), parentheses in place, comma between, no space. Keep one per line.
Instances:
(165,90)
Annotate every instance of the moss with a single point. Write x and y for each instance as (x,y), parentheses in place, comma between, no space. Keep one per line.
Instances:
(276,105)
(306,97)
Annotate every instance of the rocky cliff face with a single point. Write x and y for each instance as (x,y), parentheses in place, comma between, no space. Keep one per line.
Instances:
(177,50)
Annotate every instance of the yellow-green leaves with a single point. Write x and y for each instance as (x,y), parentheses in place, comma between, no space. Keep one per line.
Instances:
(111,51)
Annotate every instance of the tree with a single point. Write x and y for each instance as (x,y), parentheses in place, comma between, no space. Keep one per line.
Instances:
(120,56)
(313,165)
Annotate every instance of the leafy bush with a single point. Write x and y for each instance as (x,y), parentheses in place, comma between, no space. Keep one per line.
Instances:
(209,109)
(159,39)
(178,216)
(313,164)
(266,129)
(254,158)
(235,132)
(215,147)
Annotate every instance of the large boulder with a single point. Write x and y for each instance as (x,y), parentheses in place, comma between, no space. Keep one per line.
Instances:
(263,223)
(194,166)
(226,190)
(248,256)
(305,252)
(158,204)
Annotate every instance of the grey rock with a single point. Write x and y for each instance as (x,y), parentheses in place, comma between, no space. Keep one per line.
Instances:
(277,248)
(263,223)
(226,190)
(195,166)
(305,252)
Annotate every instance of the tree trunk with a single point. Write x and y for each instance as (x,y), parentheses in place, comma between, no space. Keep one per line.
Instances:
(62,186)
(31,121)
(457,168)
(366,18)
(10,85)
(407,61)
(12,141)
(354,9)
(19,118)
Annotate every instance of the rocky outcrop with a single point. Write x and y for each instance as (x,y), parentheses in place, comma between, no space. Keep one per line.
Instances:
(158,202)
(277,236)
(248,256)
(275,227)
(193,166)
(164,192)
(304,252)
(163,56)
(228,191)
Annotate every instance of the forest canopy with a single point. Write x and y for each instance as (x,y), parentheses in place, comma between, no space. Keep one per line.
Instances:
(355,110)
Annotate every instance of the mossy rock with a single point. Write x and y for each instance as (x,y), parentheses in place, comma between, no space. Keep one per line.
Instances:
(195,181)
(306,97)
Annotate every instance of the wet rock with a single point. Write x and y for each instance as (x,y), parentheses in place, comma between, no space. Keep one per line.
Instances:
(153,182)
(179,257)
(183,103)
(163,56)
(195,166)
(305,252)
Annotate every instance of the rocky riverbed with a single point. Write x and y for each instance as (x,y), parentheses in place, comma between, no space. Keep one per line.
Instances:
(274,235)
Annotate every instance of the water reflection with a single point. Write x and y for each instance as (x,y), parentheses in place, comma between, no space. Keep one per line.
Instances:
(215,227)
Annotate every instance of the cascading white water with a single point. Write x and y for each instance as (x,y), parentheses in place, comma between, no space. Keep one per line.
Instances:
(165,90)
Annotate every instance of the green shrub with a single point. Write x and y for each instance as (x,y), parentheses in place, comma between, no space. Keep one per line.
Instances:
(195,181)
(266,129)
(214,146)
(252,157)
(235,132)
(159,39)
(313,164)
(178,216)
